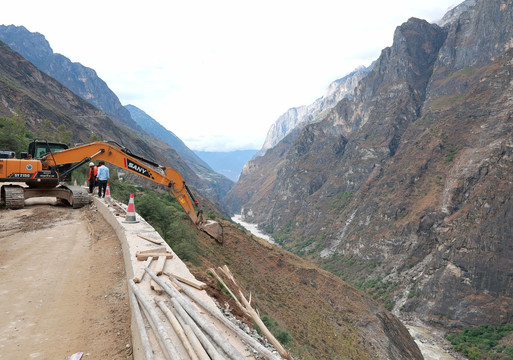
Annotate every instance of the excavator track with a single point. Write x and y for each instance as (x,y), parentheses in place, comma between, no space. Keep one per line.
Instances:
(75,196)
(13,197)
(80,196)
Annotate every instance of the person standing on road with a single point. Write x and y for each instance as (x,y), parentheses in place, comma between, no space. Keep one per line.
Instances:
(103,178)
(93,173)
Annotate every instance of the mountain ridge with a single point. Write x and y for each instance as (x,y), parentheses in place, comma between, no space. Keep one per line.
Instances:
(80,79)
(302,115)
(400,186)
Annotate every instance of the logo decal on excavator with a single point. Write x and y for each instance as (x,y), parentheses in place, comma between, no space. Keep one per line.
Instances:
(129,164)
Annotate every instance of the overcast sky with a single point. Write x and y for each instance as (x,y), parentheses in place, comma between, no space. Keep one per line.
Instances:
(219,73)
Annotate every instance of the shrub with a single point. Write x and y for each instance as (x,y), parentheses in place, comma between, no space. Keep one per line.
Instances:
(283,336)
(482,342)
(14,135)
(164,213)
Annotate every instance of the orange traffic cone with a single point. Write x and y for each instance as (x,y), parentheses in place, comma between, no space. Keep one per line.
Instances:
(75,183)
(130,212)
(108,198)
(85,183)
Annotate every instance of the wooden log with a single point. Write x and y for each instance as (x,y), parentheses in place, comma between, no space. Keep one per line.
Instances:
(159,268)
(140,274)
(194,283)
(247,308)
(193,339)
(160,249)
(155,287)
(145,341)
(209,329)
(161,334)
(235,298)
(202,338)
(172,283)
(147,238)
(262,350)
(145,256)
(178,329)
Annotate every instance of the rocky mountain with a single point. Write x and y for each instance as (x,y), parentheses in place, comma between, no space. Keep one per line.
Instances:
(454,13)
(82,80)
(326,317)
(302,115)
(219,184)
(405,189)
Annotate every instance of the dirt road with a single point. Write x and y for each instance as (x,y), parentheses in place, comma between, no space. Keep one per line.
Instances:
(63,285)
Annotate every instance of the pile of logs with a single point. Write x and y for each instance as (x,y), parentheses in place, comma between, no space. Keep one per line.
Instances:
(198,336)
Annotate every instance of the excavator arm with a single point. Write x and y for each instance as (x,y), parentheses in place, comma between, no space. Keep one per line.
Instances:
(121,157)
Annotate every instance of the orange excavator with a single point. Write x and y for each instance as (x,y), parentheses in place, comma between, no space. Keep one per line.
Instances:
(47,165)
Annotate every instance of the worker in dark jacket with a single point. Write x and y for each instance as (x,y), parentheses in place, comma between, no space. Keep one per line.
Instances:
(93,173)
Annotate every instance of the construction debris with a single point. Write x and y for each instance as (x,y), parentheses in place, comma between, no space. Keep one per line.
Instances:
(147,238)
(148,352)
(141,256)
(158,329)
(194,283)
(155,287)
(140,274)
(161,262)
(264,352)
(191,350)
(199,321)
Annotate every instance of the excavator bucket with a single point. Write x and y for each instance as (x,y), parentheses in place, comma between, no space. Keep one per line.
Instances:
(214,229)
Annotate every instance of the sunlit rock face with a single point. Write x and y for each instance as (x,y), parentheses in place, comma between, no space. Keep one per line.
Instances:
(408,184)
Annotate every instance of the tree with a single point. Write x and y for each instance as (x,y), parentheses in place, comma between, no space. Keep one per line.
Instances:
(48,132)
(94,137)
(63,135)
(14,135)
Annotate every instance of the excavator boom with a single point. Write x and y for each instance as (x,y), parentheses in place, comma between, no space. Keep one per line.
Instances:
(119,156)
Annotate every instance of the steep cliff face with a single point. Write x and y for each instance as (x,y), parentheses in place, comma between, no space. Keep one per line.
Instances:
(82,80)
(406,187)
(303,115)
(454,13)
(391,95)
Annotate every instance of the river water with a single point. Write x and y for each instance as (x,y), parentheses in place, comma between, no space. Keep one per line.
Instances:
(252,228)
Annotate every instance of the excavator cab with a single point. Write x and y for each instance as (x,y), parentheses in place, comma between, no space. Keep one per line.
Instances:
(37,148)
(40,148)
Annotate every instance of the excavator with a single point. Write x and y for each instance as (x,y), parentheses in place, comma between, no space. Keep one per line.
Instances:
(48,165)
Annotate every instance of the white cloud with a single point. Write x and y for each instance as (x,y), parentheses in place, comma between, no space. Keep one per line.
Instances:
(219,73)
